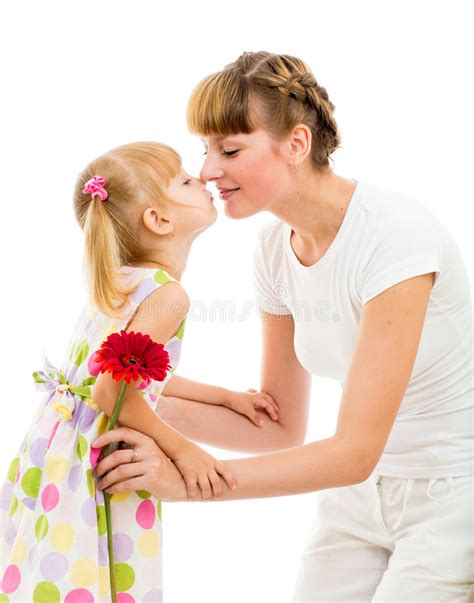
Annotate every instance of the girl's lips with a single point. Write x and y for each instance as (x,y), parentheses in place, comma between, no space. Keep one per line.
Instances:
(225,194)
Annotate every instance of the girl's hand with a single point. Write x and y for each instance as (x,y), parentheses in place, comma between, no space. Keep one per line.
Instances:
(198,467)
(246,403)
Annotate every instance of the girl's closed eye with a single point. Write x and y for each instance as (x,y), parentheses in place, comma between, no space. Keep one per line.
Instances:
(187,181)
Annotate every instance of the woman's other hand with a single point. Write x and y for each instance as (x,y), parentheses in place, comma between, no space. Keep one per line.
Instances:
(152,470)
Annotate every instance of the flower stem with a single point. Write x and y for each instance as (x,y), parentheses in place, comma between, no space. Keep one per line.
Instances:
(117,407)
(108,514)
(108,519)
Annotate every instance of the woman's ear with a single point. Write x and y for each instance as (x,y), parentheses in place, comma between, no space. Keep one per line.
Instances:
(156,222)
(299,143)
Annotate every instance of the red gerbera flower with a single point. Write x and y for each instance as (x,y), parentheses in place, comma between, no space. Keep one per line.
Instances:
(133,356)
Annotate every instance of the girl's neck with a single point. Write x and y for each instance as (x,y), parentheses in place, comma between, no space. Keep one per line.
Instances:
(170,254)
(175,273)
(171,258)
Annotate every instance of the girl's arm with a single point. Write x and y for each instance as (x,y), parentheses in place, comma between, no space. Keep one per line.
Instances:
(180,387)
(388,338)
(245,403)
(197,467)
(135,412)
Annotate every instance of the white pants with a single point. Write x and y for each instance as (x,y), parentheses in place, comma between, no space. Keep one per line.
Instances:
(391,539)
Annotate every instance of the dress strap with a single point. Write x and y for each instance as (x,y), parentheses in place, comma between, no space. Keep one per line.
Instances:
(152,280)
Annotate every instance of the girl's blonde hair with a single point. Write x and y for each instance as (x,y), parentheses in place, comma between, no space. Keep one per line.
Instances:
(136,176)
(275,91)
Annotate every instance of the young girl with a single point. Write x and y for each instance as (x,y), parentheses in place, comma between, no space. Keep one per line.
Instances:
(140,212)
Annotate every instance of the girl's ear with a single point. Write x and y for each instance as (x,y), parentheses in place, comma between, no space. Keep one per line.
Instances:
(156,222)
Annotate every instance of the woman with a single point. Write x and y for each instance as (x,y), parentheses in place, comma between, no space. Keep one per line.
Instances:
(395,328)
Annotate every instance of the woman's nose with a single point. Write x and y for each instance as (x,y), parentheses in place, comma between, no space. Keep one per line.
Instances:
(210,170)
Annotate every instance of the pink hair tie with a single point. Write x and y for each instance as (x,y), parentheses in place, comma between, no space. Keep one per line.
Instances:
(95,186)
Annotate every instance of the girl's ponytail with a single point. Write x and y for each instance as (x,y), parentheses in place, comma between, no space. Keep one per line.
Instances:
(102,260)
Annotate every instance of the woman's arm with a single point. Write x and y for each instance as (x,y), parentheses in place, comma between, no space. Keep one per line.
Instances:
(282,376)
(388,339)
(323,464)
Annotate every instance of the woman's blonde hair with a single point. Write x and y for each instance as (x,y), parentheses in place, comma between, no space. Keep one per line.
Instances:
(275,91)
(136,175)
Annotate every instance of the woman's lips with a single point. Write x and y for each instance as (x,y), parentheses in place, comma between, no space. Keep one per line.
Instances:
(226,194)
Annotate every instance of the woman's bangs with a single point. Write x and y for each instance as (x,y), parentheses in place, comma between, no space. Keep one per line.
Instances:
(219,107)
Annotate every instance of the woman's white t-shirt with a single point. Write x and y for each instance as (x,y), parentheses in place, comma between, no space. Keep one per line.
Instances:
(385,237)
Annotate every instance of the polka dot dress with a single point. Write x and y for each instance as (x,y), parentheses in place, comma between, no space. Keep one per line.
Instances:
(53,539)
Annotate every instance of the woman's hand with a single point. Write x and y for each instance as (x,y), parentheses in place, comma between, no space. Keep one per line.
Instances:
(152,471)
(198,467)
(246,403)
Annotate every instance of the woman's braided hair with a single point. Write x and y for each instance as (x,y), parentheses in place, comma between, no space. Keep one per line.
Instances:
(276,91)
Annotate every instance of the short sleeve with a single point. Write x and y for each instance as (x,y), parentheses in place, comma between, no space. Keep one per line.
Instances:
(267,292)
(404,250)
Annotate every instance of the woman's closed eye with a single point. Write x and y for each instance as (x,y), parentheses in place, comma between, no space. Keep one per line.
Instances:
(227,153)
(230,153)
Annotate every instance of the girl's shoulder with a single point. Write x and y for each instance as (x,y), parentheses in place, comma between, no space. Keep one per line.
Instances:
(150,285)
(159,298)
(151,294)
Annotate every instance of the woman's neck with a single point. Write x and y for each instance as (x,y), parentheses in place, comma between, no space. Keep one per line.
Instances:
(315,209)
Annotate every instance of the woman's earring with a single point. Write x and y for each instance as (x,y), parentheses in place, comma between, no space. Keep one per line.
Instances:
(293,166)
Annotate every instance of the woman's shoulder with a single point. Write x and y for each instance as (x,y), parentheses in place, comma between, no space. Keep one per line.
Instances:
(386,206)
(271,229)
(271,235)
(269,246)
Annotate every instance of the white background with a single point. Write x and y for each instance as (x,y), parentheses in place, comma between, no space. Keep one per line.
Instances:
(79,78)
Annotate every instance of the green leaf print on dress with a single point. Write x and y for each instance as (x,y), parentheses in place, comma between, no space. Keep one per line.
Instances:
(162,278)
(41,527)
(82,447)
(31,481)
(13,507)
(46,592)
(82,352)
(12,471)
(180,332)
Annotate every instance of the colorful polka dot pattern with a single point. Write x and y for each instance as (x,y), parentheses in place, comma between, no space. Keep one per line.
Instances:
(53,541)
